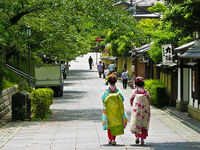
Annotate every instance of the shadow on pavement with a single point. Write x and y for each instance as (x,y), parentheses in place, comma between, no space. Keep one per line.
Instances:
(109,145)
(69,95)
(68,84)
(174,146)
(81,75)
(74,72)
(83,78)
(71,115)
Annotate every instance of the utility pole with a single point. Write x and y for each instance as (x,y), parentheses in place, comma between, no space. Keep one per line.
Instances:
(28,30)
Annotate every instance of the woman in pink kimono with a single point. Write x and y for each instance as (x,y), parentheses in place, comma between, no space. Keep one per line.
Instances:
(140,111)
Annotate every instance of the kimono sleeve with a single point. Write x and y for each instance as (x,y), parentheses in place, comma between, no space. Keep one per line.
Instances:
(122,97)
(132,96)
(104,95)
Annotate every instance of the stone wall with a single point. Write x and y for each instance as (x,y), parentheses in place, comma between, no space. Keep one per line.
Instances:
(6,100)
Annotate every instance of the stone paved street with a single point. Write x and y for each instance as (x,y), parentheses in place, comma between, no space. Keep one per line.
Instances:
(75,123)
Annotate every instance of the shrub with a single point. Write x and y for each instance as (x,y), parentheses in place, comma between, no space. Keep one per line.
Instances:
(23,86)
(11,79)
(41,99)
(157,91)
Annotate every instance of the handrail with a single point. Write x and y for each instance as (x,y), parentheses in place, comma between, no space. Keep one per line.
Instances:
(20,73)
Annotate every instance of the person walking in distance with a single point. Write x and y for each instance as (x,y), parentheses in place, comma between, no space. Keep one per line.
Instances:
(103,67)
(112,67)
(106,73)
(100,69)
(124,78)
(113,116)
(140,111)
(90,61)
(133,73)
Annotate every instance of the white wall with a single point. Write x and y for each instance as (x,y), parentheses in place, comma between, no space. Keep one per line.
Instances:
(190,88)
(179,84)
(196,103)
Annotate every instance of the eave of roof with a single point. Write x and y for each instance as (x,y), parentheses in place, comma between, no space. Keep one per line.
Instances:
(184,47)
(122,3)
(167,66)
(147,16)
(193,51)
(143,48)
(195,55)
(108,58)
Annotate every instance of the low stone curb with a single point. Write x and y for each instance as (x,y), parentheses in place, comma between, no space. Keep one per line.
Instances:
(5,119)
(191,122)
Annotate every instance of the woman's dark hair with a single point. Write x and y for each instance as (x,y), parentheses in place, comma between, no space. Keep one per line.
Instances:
(139,81)
(112,79)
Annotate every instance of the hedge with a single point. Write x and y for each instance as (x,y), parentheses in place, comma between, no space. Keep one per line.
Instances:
(157,91)
(41,99)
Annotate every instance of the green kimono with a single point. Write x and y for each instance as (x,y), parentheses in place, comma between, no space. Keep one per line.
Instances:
(113,115)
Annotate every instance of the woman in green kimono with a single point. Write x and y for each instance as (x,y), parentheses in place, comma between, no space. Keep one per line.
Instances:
(113,116)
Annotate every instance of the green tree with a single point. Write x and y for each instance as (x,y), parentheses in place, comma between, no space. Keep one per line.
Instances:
(162,32)
(59,27)
(184,14)
(122,43)
(158,8)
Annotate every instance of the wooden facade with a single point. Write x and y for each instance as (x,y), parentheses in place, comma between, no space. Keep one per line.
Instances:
(140,71)
(188,84)
(168,75)
(189,81)
(121,62)
(124,63)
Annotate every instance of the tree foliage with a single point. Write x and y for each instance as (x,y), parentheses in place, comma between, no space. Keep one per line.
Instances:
(61,29)
(122,43)
(158,8)
(184,14)
(176,27)
(162,32)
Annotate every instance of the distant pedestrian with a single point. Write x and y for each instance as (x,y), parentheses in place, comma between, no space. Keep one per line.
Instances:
(103,67)
(133,70)
(106,73)
(64,74)
(140,111)
(124,78)
(113,117)
(133,73)
(100,69)
(90,61)
(112,67)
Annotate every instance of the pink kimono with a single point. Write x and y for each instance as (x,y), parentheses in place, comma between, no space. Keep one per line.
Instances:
(146,110)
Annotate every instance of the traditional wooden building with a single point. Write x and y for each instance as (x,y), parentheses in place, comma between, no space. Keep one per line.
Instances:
(138,8)
(168,75)
(144,66)
(188,81)
(182,74)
